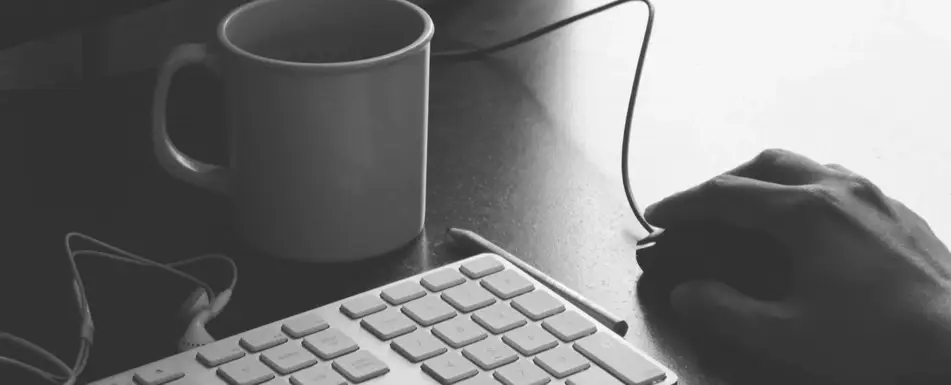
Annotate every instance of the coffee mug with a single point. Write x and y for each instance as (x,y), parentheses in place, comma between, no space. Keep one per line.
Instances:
(327,107)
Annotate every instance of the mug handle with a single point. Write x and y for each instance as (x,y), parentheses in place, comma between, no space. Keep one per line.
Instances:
(176,163)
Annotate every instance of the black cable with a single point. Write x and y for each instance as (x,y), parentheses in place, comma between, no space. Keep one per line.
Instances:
(625,142)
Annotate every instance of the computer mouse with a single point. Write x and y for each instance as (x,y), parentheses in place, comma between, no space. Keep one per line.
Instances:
(751,262)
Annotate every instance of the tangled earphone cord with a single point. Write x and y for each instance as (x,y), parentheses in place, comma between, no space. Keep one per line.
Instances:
(628,120)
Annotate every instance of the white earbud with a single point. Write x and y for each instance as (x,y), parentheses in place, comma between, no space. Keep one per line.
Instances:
(198,312)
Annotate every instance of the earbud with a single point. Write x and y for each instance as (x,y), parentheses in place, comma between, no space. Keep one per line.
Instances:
(196,335)
(198,311)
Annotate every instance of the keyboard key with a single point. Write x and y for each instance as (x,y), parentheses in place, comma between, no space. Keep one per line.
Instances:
(262,338)
(562,361)
(569,326)
(499,318)
(507,284)
(530,340)
(388,324)
(274,381)
(246,371)
(219,353)
(481,379)
(304,324)
(360,366)
(329,344)
(593,376)
(538,305)
(481,266)
(490,353)
(523,372)
(468,297)
(318,375)
(619,359)
(442,279)
(429,310)
(288,358)
(403,292)
(362,306)
(459,332)
(449,368)
(418,346)
(157,374)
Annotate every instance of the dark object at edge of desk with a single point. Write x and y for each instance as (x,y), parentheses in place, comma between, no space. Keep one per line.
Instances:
(750,262)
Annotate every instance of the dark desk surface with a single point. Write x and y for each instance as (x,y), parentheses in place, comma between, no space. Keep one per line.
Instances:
(524,149)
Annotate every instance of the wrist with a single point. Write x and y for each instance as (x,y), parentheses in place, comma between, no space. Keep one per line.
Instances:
(934,336)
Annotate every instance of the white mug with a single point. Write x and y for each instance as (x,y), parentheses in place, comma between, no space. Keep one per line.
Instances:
(327,108)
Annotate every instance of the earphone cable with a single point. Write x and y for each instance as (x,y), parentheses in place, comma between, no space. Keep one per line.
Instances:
(628,120)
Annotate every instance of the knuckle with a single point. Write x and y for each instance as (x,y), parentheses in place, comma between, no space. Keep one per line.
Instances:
(717,184)
(771,156)
(860,186)
(817,197)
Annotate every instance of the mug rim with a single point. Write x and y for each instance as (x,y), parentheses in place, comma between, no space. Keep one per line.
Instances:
(422,40)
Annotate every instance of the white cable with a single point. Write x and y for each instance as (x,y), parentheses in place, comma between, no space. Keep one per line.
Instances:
(70,375)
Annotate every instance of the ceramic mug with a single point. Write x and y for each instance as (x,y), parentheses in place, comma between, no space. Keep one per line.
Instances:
(327,107)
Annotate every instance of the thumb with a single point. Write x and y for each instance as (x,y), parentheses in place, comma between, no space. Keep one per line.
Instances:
(715,308)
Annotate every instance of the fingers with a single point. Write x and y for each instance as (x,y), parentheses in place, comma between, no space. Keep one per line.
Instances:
(782,167)
(738,201)
(840,168)
(715,308)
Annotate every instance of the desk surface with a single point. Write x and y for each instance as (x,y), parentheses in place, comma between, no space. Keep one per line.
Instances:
(524,149)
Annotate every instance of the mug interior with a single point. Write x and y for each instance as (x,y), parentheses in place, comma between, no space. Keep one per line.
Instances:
(324,31)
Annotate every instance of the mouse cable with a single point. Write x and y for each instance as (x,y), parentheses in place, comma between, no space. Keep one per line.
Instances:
(625,143)
(70,376)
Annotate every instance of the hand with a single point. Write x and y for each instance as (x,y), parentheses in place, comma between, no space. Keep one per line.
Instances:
(870,301)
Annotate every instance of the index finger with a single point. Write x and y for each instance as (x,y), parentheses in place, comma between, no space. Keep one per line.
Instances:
(739,201)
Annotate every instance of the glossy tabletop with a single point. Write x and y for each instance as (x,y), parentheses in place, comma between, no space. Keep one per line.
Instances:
(524,148)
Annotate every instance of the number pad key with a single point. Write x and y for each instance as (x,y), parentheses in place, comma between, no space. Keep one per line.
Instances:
(468,297)
(499,318)
(593,376)
(459,332)
(442,279)
(318,375)
(507,284)
(219,353)
(403,292)
(288,358)
(523,372)
(329,344)
(262,338)
(562,361)
(619,359)
(490,353)
(362,306)
(388,324)
(360,366)
(538,305)
(304,324)
(449,368)
(157,375)
(246,371)
(530,340)
(481,266)
(429,310)
(569,326)
(418,346)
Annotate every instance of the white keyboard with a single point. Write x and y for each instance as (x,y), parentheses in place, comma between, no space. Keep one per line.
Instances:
(479,321)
